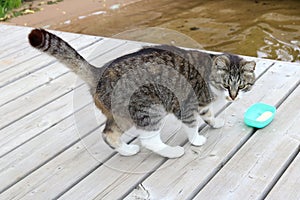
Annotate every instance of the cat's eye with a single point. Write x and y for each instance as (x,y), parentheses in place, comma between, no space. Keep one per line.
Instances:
(226,87)
(247,88)
(222,69)
(242,87)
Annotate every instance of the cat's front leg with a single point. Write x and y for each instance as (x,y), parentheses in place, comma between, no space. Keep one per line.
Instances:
(191,127)
(208,117)
(193,135)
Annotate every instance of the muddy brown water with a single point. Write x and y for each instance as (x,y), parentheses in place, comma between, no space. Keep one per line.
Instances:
(269,29)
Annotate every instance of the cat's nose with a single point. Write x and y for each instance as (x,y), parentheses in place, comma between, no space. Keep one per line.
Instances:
(228,98)
(233,94)
(232,97)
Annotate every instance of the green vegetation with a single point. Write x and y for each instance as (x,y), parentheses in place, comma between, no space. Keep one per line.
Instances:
(8,5)
(53,2)
(14,8)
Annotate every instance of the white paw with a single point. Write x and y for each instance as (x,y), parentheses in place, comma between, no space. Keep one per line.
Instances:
(171,152)
(218,123)
(128,149)
(198,140)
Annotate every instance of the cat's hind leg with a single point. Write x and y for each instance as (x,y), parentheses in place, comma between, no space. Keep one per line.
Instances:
(149,120)
(152,141)
(112,136)
(207,114)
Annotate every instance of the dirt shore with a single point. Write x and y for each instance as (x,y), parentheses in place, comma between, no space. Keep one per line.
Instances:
(62,13)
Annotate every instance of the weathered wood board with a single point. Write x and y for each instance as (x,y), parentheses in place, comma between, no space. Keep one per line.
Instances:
(51,145)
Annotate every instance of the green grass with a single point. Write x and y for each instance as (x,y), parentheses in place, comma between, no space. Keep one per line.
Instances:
(7,5)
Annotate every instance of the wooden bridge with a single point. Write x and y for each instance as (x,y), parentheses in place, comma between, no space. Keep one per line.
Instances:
(51,145)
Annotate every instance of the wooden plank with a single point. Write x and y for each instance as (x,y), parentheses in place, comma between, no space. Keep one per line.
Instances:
(27,158)
(16,45)
(28,53)
(4,28)
(32,145)
(107,47)
(253,170)
(12,41)
(34,100)
(36,78)
(15,110)
(73,165)
(288,185)
(123,172)
(44,181)
(8,29)
(198,165)
(20,57)
(48,73)
(42,61)
(41,120)
(10,133)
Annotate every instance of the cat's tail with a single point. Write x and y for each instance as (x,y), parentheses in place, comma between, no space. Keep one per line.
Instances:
(55,46)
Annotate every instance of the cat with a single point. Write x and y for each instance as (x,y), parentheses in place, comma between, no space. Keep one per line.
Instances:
(141,88)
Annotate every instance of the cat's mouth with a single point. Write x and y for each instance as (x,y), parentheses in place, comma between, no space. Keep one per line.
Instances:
(228,98)
(234,96)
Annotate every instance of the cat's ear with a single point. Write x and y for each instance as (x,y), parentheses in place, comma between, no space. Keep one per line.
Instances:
(221,62)
(248,66)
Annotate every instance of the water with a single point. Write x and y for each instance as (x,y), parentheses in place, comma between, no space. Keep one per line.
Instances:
(268,29)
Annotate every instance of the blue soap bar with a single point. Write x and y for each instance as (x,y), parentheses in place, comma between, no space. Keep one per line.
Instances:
(259,115)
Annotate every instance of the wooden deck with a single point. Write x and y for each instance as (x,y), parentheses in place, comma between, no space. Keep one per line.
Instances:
(51,146)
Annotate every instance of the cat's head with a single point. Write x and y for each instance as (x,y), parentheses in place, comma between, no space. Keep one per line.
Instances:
(232,74)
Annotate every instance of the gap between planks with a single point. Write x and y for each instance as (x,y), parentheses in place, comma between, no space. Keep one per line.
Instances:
(287,186)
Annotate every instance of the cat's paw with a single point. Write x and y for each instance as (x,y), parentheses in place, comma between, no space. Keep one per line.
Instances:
(198,140)
(171,152)
(218,123)
(128,149)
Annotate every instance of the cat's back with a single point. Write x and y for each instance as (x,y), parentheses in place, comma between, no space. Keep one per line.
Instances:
(141,65)
(145,56)
(159,65)
(153,59)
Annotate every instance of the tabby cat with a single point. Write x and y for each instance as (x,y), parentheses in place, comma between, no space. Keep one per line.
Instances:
(141,88)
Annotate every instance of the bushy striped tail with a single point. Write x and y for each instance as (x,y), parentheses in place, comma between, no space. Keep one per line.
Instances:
(62,51)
